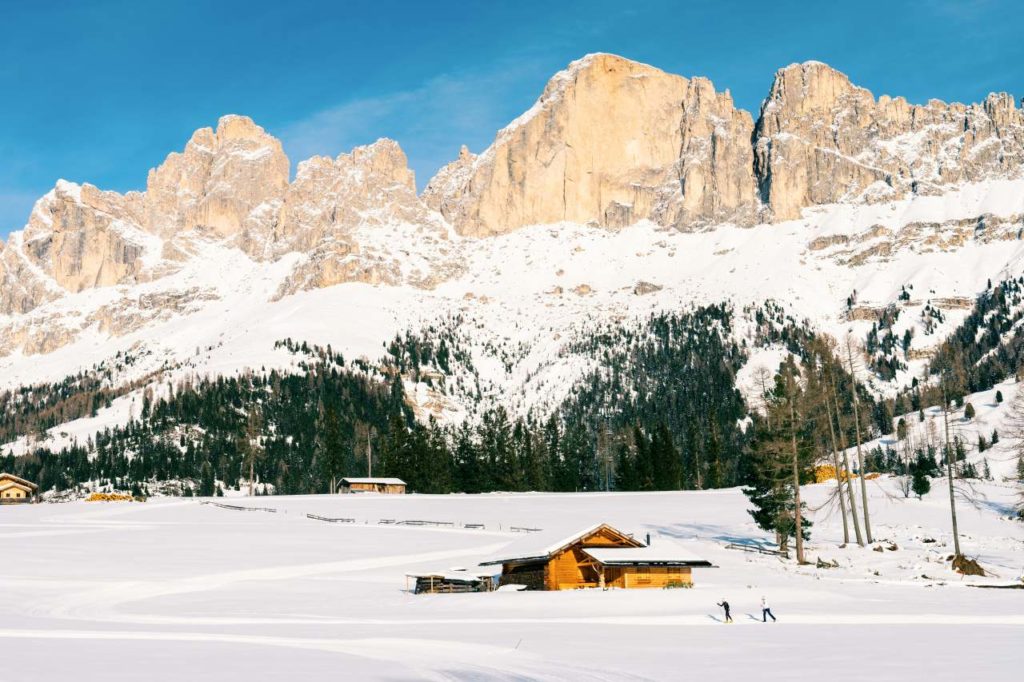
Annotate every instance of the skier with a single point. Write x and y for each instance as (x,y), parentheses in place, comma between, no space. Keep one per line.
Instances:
(725,605)
(766,610)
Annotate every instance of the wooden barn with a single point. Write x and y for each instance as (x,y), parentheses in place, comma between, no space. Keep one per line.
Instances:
(15,490)
(389,486)
(600,556)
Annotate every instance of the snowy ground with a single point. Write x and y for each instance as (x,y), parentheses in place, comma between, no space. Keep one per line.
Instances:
(175,590)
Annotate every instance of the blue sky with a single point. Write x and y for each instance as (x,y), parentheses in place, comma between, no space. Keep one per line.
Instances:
(101,91)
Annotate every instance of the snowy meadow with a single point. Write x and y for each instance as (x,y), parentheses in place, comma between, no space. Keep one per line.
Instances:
(178,589)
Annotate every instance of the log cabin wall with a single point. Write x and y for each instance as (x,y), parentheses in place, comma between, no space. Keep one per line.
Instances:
(572,568)
(654,576)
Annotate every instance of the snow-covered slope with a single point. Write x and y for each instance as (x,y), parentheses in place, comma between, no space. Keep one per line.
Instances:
(522,298)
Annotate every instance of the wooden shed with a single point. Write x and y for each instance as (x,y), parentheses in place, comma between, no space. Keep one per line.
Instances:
(453,581)
(599,556)
(389,486)
(16,490)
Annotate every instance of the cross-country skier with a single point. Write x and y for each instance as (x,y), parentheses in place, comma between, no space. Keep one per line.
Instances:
(766,610)
(725,605)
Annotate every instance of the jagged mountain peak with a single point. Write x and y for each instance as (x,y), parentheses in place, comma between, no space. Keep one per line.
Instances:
(610,142)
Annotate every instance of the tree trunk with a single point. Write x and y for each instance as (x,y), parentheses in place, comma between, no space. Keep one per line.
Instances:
(796,487)
(835,465)
(949,472)
(860,457)
(846,467)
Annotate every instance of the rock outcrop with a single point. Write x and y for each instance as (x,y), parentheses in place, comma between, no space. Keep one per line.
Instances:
(332,200)
(610,142)
(218,181)
(821,139)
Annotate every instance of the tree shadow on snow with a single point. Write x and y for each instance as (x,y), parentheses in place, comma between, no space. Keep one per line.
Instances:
(712,532)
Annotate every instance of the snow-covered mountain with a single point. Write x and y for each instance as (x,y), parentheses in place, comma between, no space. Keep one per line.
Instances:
(623,190)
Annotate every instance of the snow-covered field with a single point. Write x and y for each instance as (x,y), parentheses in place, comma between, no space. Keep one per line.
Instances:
(178,590)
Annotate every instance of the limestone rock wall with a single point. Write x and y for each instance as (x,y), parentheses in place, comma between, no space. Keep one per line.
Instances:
(820,139)
(609,142)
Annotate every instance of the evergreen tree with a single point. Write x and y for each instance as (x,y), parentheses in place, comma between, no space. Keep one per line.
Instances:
(920,483)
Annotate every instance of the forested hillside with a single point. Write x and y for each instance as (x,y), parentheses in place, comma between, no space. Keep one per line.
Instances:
(660,411)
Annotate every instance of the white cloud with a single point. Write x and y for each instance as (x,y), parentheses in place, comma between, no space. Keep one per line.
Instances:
(429,121)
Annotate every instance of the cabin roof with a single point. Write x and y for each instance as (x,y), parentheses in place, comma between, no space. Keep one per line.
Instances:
(543,546)
(375,481)
(18,480)
(661,554)
(453,576)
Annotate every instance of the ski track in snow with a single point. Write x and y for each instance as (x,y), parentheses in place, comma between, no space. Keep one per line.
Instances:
(212,587)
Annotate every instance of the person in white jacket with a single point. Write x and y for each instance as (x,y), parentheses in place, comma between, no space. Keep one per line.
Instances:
(766,610)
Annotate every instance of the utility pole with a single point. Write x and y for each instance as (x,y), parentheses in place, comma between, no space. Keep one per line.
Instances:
(949,468)
(856,430)
(607,453)
(796,484)
(369,455)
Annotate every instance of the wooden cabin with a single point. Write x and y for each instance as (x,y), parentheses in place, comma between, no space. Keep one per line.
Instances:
(15,490)
(388,486)
(600,556)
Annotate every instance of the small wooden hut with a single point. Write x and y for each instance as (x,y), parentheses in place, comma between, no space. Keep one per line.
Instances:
(451,582)
(389,486)
(599,556)
(16,490)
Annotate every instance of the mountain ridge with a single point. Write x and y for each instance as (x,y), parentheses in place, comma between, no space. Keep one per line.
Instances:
(195,277)
(637,144)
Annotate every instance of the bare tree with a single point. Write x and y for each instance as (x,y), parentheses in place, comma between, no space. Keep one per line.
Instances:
(837,468)
(365,434)
(845,473)
(253,428)
(856,430)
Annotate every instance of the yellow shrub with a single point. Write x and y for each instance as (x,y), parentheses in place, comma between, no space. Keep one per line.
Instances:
(109,497)
(827,472)
(824,473)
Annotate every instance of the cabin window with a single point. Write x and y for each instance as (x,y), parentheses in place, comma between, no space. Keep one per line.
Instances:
(643,575)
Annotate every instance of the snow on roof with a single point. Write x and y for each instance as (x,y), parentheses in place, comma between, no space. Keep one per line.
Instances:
(542,545)
(661,552)
(375,481)
(16,479)
(453,576)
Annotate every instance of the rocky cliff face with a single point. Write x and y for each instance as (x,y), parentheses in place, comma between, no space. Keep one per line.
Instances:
(821,139)
(610,142)
(332,200)
(218,181)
